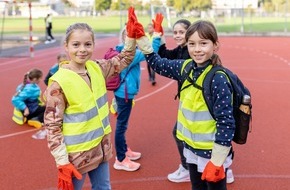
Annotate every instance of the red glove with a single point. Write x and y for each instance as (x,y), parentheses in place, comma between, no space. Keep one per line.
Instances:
(139,30)
(130,24)
(157,23)
(65,174)
(213,173)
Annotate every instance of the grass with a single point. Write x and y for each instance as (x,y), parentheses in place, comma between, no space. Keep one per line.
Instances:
(109,24)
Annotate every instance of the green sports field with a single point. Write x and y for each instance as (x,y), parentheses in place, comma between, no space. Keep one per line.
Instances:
(109,24)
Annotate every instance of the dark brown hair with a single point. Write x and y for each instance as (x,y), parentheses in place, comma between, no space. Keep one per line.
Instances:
(205,30)
(32,74)
(184,22)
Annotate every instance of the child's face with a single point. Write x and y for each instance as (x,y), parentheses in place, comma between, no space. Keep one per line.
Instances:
(80,46)
(179,34)
(200,50)
(150,29)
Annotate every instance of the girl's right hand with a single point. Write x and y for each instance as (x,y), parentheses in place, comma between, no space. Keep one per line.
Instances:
(26,112)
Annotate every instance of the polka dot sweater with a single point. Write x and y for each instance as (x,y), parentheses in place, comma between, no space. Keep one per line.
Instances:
(222,97)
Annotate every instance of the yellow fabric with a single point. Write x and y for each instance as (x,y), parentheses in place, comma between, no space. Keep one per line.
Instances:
(149,37)
(192,102)
(114,106)
(83,102)
(18,117)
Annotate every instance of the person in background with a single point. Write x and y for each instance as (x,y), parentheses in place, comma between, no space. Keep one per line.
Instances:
(124,97)
(149,34)
(60,58)
(180,52)
(48,28)
(207,142)
(78,126)
(27,100)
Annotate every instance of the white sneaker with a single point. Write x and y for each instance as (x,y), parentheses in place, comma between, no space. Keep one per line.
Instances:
(41,134)
(230,176)
(180,175)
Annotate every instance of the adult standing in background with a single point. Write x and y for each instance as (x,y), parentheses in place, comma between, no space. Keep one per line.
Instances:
(48,26)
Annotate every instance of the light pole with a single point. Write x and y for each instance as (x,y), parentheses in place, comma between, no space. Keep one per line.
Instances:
(242,27)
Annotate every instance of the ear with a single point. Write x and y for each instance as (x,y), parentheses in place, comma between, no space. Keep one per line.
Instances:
(216,46)
(65,45)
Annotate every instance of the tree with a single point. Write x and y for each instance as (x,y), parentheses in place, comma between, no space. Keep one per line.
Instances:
(102,5)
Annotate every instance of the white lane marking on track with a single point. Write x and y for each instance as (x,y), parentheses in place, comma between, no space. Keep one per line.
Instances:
(18,133)
(141,98)
(156,91)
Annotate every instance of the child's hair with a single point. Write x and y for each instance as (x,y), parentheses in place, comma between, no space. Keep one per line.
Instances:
(32,74)
(78,26)
(205,30)
(61,55)
(184,22)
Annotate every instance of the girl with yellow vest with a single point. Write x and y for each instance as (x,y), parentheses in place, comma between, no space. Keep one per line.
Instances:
(207,141)
(77,113)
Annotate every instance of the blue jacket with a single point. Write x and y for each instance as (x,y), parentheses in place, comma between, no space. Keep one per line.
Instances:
(51,72)
(132,80)
(28,97)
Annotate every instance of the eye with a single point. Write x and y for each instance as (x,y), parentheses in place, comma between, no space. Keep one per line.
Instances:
(88,45)
(75,44)
(174,32)
(190,44)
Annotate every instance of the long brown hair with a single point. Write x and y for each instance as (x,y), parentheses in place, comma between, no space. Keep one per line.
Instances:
(205,30)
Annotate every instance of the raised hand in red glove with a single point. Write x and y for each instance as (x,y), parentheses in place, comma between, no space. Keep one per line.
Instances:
(130,24)
(65,174)
(213,173)
(157,23)
(139,30)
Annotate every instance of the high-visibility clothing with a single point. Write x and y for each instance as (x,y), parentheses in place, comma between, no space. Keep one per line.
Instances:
(86,119)
(195,124)
(18,117)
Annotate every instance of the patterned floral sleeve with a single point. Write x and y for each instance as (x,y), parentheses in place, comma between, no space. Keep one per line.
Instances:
(53,117)
(117,63)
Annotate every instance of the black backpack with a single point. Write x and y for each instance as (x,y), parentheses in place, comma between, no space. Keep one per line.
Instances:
(242,120)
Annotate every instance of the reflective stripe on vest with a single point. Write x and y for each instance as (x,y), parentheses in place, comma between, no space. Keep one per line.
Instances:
(18,117)
(195,124)
(86,119)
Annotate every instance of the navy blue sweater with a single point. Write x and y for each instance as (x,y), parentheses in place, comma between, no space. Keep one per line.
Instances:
(222,97)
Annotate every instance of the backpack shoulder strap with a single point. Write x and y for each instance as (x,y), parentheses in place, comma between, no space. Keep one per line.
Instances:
(207,93)
(185,71)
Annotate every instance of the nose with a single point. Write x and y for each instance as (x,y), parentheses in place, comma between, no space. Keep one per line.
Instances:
(197,48)
(82,48)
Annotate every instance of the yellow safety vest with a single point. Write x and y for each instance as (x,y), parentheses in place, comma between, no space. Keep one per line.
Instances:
(149,37)
(18,117)
(86,119)
(195,125)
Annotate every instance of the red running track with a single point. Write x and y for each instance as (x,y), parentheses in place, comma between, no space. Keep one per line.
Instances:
(262,63)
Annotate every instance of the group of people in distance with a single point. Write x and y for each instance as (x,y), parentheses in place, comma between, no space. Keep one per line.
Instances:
(77,127)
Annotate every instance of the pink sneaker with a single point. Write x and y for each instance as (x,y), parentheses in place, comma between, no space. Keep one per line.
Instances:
(126,165)
(133,155)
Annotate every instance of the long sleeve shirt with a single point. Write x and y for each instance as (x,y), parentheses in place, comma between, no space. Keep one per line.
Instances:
(56,104)
(222,97)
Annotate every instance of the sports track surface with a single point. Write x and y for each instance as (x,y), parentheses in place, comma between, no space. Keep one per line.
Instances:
(263,163)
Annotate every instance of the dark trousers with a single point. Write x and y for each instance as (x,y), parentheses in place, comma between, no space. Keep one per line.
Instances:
(49,35)
(38,113)
(180,147)
(124,111)
(151,73)
(198,184)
